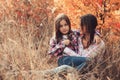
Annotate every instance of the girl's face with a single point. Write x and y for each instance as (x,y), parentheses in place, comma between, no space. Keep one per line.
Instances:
(83,31)
(64,27)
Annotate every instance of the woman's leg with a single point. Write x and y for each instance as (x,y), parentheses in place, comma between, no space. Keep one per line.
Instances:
(72,61)
(65,60)
(79,68)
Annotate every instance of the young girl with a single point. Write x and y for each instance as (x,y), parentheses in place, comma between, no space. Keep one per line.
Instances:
(65,39)
(88,46)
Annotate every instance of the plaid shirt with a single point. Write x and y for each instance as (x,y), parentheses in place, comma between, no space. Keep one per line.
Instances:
(97,47)
(57,49)
(93,50)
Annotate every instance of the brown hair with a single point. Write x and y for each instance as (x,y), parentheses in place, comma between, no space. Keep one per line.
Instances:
(59,18)
(90,22)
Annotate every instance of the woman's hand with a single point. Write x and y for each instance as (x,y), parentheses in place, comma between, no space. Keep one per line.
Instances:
(66,42)
(97,39)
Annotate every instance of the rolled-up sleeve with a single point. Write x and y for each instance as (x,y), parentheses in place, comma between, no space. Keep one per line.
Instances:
(55,48)
(98,49)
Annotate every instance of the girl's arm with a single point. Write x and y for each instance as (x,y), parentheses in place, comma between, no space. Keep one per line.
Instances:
(74,43)
(98,49)
(70,52)
(97,37)
(55,48)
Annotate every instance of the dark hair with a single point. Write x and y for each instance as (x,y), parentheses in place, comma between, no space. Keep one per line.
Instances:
(90,22)
(59,18)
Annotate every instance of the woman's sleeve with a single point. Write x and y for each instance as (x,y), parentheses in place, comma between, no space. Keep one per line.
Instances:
(74,41)
(98,49)
(70,52)
(54,48)
(75,36)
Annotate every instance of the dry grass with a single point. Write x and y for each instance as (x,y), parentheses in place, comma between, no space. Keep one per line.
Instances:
(23,48)
(23,55)
(23,52)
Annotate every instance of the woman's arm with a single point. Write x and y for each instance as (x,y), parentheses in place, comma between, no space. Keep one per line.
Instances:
(97,37)
(70,52)
(97,49)
(74,43)
(55,48)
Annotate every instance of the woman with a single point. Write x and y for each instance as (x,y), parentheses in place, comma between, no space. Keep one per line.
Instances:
(65,38)
(88,47)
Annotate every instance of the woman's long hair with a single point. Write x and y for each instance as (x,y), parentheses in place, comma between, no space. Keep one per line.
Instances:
(58,34)
(90,22)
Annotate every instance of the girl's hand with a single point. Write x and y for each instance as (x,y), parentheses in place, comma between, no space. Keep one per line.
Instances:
(97,39)
(66,42)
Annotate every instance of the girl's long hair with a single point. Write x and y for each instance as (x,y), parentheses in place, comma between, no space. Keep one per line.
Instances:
(58,34)
(90,22)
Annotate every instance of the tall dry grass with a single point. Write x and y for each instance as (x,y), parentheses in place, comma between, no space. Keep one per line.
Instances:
(23,50)
(23,54)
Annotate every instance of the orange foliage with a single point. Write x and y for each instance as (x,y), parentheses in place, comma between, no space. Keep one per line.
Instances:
(34,11)
(25,11)
(110,10)
(76,8)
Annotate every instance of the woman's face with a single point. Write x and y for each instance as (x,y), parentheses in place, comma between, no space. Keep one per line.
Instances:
(64,27)
(83,31)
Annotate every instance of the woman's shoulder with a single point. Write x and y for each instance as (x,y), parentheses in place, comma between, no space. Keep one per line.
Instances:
(97,39)
(53,40)
(100,44)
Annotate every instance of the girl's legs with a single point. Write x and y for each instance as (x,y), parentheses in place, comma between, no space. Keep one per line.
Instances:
(73,61)
(79,68)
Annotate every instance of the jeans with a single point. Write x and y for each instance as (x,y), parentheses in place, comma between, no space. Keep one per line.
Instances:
(77,62)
